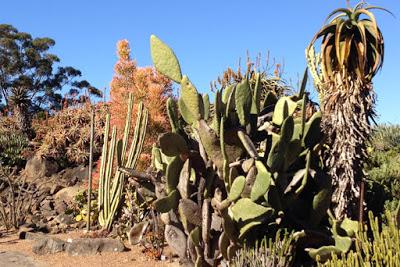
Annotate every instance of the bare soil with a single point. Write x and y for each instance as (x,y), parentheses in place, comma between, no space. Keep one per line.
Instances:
(133,257)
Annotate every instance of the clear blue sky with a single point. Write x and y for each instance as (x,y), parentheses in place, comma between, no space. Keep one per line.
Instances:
(208,36)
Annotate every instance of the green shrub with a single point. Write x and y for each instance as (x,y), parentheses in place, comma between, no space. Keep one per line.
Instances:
(270,252)
(12,144)
(383,170)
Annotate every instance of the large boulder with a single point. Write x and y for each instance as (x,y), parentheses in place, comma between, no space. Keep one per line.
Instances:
(92,246)
(38,167)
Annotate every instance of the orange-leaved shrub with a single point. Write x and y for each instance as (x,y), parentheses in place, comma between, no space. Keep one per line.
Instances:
(146,85)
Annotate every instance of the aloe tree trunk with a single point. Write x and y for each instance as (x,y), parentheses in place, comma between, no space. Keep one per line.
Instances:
(347,109)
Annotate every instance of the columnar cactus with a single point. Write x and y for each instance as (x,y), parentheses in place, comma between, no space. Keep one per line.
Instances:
(110,192)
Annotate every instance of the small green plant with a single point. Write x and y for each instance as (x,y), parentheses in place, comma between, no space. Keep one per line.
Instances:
(80,207)
(376,245)
(278,252)
(12,144)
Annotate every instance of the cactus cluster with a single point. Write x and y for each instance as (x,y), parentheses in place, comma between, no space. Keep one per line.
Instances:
(251,169)
(111,189)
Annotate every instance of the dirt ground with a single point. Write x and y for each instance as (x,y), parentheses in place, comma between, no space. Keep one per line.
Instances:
(133,257)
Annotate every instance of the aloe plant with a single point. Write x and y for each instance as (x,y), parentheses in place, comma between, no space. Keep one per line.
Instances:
(111,189)
(351,53)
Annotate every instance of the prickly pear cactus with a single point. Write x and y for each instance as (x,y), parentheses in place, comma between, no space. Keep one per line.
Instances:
(237,169)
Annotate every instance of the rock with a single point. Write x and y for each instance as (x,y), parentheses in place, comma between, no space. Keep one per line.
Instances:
(38,167)
(48,245)
(67,195)
(55,188)
(60,207)
(34,236)
(74,175)
(136,233)
(23,230)
(66,219)
(18,259)
(92,246)
(46,205)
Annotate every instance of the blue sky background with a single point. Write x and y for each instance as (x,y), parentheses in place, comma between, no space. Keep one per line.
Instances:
(208,36)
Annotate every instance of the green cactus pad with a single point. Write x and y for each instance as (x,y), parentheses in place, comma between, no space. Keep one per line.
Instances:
(262,182)
(164,59)
(245,209)
(284,107)
(195,236)
(255,106)
(237,188)
(243,101)
(173,144)
(167,203)
(247,144)
(186,114)
(322,200)
(173,172)
(226,93)
(287,129)
(191,99)
(351,227)
(312,131)
(276,157)
(172,114)
(206,103)
(156,158)
(184,180)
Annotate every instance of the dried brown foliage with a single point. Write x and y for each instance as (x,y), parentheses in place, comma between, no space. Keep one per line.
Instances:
(65,137)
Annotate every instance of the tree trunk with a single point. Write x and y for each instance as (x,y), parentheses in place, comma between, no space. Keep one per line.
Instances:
(23,120)
(347,107)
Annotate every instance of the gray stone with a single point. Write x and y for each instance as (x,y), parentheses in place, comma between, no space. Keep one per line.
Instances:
(48,245)
(38,167)
(92,246)
(67,194)
(74,175)
(17,259)
(66,219)
(60,207)
(23,230)
(33,236)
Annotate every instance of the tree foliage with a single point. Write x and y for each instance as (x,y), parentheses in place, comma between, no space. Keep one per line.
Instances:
(31,78)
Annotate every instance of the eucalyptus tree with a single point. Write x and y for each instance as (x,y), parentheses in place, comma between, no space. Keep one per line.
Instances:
(31,78)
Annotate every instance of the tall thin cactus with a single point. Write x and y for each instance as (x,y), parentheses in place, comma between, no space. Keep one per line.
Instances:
(110,192)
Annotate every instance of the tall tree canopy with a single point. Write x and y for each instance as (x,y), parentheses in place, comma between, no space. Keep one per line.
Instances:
(31,78)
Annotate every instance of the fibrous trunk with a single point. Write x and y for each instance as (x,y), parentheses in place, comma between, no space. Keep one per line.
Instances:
(347,106)
(23,120)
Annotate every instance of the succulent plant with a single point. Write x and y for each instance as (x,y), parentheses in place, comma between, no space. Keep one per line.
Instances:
(110,191)
(251,169)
